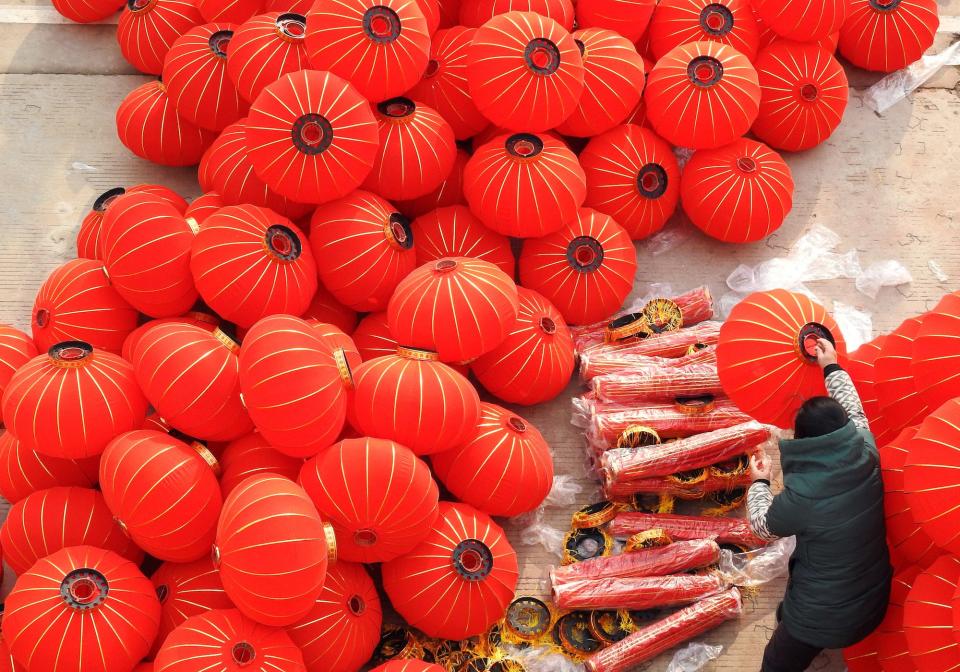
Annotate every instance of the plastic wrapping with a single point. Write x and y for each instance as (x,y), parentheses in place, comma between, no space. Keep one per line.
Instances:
(734,531)
(638,592)
(655,384)
(880,274)
(667,344)
(651,641)
(612,361)
(542,659)
(694,657)
(855,325)
(564,491)
(898,85)
(759,566)
(671,559)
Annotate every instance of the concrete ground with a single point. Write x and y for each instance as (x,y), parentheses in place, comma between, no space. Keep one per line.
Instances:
(886,184)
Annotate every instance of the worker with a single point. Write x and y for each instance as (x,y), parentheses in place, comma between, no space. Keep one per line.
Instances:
(832,501)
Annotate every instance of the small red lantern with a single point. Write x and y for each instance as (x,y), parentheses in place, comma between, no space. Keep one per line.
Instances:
(794,20)
(186,589)
(252,455)
(739,193)
(936,360)
(365,248)
(87,11)
(326,308)
(16,349)
(887,35)
(630,18)
(341,631)
(450,191)
(524,71)
(475,13)
(454,232)
(312,136)
(24,471)
(272,549)
(379,496)
(229,11)
(633,176)
(76,609)
(730,22)
(702,95)
(524,185)
(203,320)
(373,338)
(88,238)
(465,558)
(264,49)
(901,403)
(148,28)
(585,269)
(928,616)
(415,400)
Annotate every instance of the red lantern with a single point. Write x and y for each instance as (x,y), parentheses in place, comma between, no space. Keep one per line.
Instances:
(767,358)
(204,321)
(312,136)
(630,18)
(163,492)
(739,193)
(431,13)
(87,11)
(264,49)
(893,654)
(803,93)
(250,262)
(8,664)
(887,35)
(454,232)
(444,84)
(272,550)
(148,28)
(326,308)
(900,402)
(459,580)
(186,590)
(24,471)
(928,618)
(203,206)
(524,185)
(730,22)
(768,36)
(585,269)
(413,399)
(702,95)
(794,20)
(149,126)
(336,340)
(450,191)
(71,401)
(861,368)
(935,364)
(524,71)
(373,338)
(88,238)
(365,248)
(16,349)
(417,150)
(298,6)
(633,176)
(252,455)
(341,631)
(863,656)
(230,11)
(456,306)
(475,13)
(81,609)
(191,377)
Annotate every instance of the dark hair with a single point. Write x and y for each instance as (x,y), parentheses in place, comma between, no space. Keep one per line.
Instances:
(819,416)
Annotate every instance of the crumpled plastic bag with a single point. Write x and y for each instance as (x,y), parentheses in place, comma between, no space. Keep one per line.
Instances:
(564,491)
(880,274)
(757,567)
(898,85)
(542,659)
(535,530)
(855,325)
(693,657)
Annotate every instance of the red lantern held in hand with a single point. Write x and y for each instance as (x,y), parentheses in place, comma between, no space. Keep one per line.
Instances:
(477,12)
(630,18)
(24,471)
(16,349)
(230,11)
(251,455)
(88,237)
(265,48)
(87,11)
(454,231)
(186,589)
(450,191)
(887,35)
(794,20)
(148,28)
(730,22)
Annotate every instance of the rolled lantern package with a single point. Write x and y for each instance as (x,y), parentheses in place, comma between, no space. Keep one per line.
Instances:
(87,11)
(454,231)
(675,558)
(612,365)
(88,237)
(630,18)
(901,403)
(725,484)
(231,11)
(475,13)
(326,308)
(767,354)
(202,320)
(148,28)
(928,619)
(380,498)
(722,190)
(252,455)
(465,557)
(372,337)
(794,20)
(311,136)
(633,176)
(78,607)
(16,349)
(893,653)
(186,589)
(730,22)
(658,384)
(734,531)
(702,95)
(380,46)
(585,269)
(24,471)
(524,71)
(936,361)
(450,191)
(638,593)
(524,185)
(887,35)
(264,48)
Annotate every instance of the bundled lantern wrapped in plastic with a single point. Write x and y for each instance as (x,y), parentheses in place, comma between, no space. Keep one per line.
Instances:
(725,530)
(618,354)
(658,384)
(674,558)
(640,592)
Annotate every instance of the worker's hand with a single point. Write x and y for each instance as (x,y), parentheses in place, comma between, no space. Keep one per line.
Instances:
(761,467)
(826,353)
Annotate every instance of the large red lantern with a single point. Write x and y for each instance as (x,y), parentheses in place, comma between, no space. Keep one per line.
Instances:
(148,28)
(311,136)
(88,237)
(901,403)
(585,269)
(252,455)
(633,176)
(730,22)
(475,13)
(230,11)
(164,493)
(81,609)
(450,191)
(272,550)
(887,35)
(702,95)
(415,400)
(935,364)
(767,358)
(149,126)
(264,49)
(739,193)
(72,401)
(893,654)
(341,631)
(928,617)
(326,308)
(794,20)
(534,362)
(373,338)
(87,11)
(803,94)
(455,232)
(16,349)
(24,471)
(525,71)
(225,639)
(77,303)
(456,306)
(197,319)
(861,367)
(630,18)
(191,377)
(464,562)
(524,185)
(186,589)
(250,262)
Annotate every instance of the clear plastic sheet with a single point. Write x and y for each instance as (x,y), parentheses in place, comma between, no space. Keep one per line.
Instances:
(757,567)
(658,384)
(855,325)
(535,530)
(638,592)
(604,361)
(542,659)
(673,486)
(880,274)
(694,657)
(674,558)
(669,238)
(564,491)
(723,530)
(898,85)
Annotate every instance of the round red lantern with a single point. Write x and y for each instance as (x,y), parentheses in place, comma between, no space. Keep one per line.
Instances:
(450,191)
(77,303)
(534,362)
(415,400)
(475,13)
(272,550)
(88,237)
(341,631)
(298,6)
(24,471)
(373,338)
(163,492)
(524,71)
(863,656)
(861,367)
(633,176)
(326,308)
(312,136)
(935,364)
(203,206)
(524,185)
(585,269)
(252,455)
(803,94)
(730,22)
(893,654)
(901,403)
(148,28)
(16,349)
(230,11)
(431,13)
(149,126)
(702,95)
(379,496)
(767,358)
(928,616)
(78,607)
(203,320)
(630,18)
(186,589)
(887,35)
(266,48)
(794,20)
(336,340)
(87,11)
(466,555)
(454,232)
(739,193)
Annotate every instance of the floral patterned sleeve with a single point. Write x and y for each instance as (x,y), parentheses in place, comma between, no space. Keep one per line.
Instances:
(841,388)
